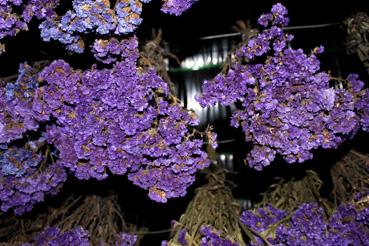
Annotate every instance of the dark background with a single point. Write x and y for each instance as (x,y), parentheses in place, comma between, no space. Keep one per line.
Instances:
(182,34)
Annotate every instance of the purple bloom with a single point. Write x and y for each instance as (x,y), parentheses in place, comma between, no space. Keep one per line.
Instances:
(307,226)
(53,236)
(112,122)
(288,106)
(126,239)
(177,7)
(182,237)
(213,237)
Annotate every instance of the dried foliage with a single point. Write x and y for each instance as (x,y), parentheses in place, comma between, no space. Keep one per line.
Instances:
(154,55)
(287,195)
(101,216)
(350,176)
(358,37)
(212,205)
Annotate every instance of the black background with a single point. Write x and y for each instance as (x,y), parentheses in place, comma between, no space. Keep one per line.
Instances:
(207,17)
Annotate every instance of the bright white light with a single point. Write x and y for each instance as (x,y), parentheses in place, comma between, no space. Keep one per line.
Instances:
(195,106)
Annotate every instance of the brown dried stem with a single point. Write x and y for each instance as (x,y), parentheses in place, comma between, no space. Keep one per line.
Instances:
(212,205)
(100,216)
(289,194)
(358,37)
(349,176)
(153,55)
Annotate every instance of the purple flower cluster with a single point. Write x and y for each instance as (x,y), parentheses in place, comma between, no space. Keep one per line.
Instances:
(87,16)
(347,226)
(119,120)
(52,236)
(16,14)
(128,15)
(182,237)
(288,105)
(124,120)
(22,192)
(78,236)
(10,22)
(126,239)
(213,237)
(99,17)
(51,30)
(260,219)
(24,176)
(16,105)
(15,161)
(110,50)
(41,9)
(177,7)
(308,226)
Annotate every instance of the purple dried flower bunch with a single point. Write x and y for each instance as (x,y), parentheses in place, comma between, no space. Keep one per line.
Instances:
(15,15)
(77,236)
(213,237)
(98,17)
(27,180)
(119,120)
(53,236)
(287,104)
(123,120)
(309,225)
(27,172)
(177,7)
